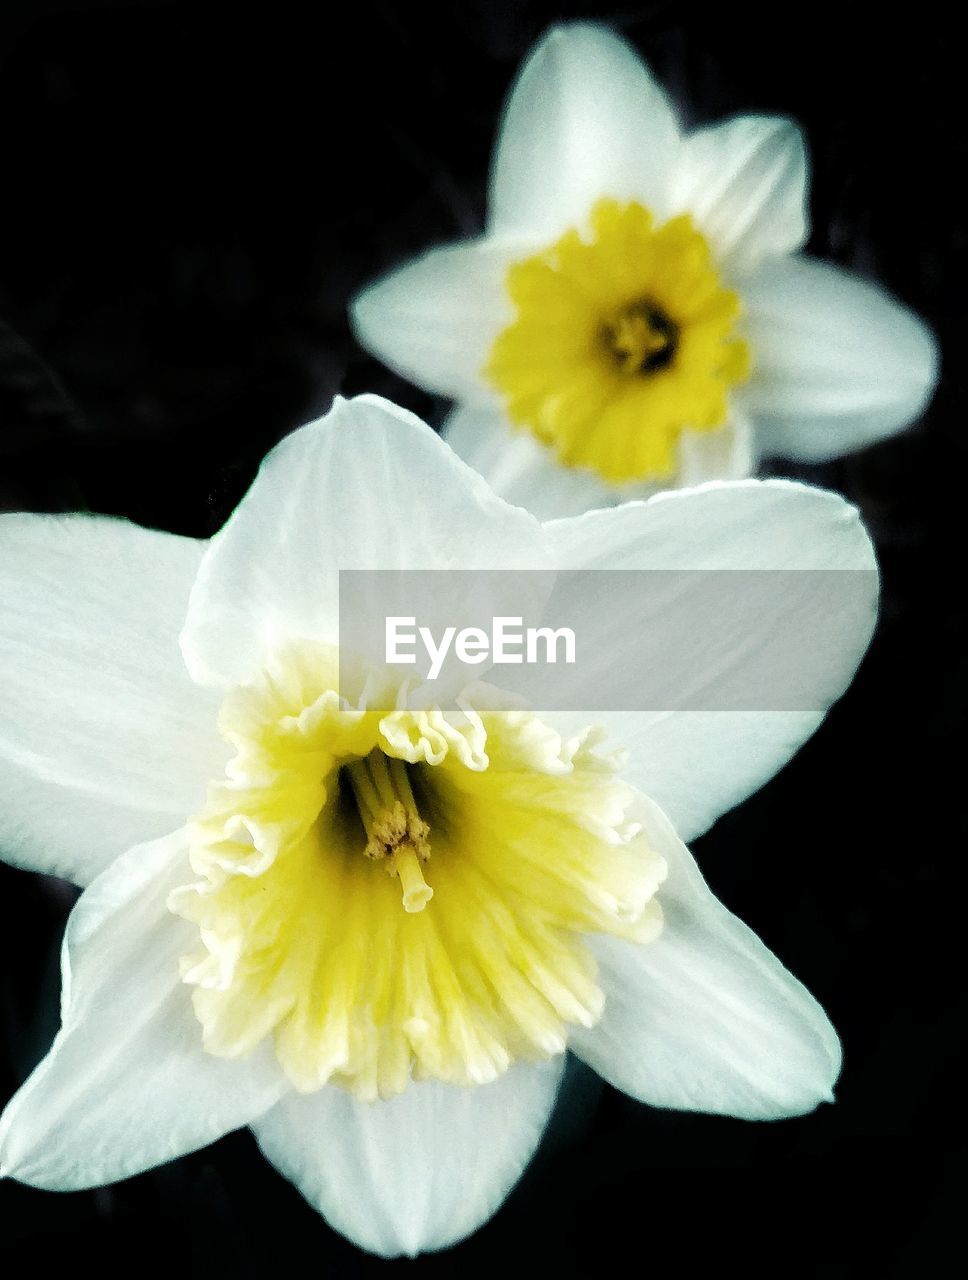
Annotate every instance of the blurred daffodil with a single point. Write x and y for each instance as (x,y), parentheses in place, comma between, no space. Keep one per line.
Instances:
(371,935)
(638,314)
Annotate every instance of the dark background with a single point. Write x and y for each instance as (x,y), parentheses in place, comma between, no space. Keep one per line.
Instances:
(189,194)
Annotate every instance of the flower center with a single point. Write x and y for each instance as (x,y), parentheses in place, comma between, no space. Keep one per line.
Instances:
(324,821)
(641,338)
(620,343)
(395,832)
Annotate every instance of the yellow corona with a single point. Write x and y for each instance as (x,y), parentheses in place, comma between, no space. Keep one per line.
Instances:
(620,343)
(404,894)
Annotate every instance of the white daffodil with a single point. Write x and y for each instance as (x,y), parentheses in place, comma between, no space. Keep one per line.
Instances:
(371,935)
(637,314)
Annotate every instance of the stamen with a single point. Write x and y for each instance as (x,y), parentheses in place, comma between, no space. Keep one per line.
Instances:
(394,829)
(641,338)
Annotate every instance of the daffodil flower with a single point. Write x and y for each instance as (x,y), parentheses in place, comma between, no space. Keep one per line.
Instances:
(371,935)
(638,314)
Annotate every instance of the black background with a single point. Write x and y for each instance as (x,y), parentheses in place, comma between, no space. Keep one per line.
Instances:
(189,194)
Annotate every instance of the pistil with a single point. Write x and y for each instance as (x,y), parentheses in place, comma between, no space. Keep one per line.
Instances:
(395,832)
(641,338)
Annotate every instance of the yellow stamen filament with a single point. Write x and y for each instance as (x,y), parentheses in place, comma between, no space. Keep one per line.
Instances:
(641,339)
(394,829)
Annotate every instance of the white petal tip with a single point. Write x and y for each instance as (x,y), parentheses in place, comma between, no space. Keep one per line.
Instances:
(360,305)
(578,30)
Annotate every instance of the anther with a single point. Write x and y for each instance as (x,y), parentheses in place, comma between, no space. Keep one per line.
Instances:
(395,832)
(641,338)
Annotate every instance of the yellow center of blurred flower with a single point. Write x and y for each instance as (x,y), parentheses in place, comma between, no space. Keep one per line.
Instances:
(620,344)
(405,894)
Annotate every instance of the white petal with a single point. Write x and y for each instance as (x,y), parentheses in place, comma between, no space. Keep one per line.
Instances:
(524,471)
(527,473)
(585,120)
(104,739)
(745,184)
(698,763)
(63,831)
(417,1172)
(743,524)
(367,487)
(838,363)
(706,1018)
(127,1085)
(727,453)
(434,319)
